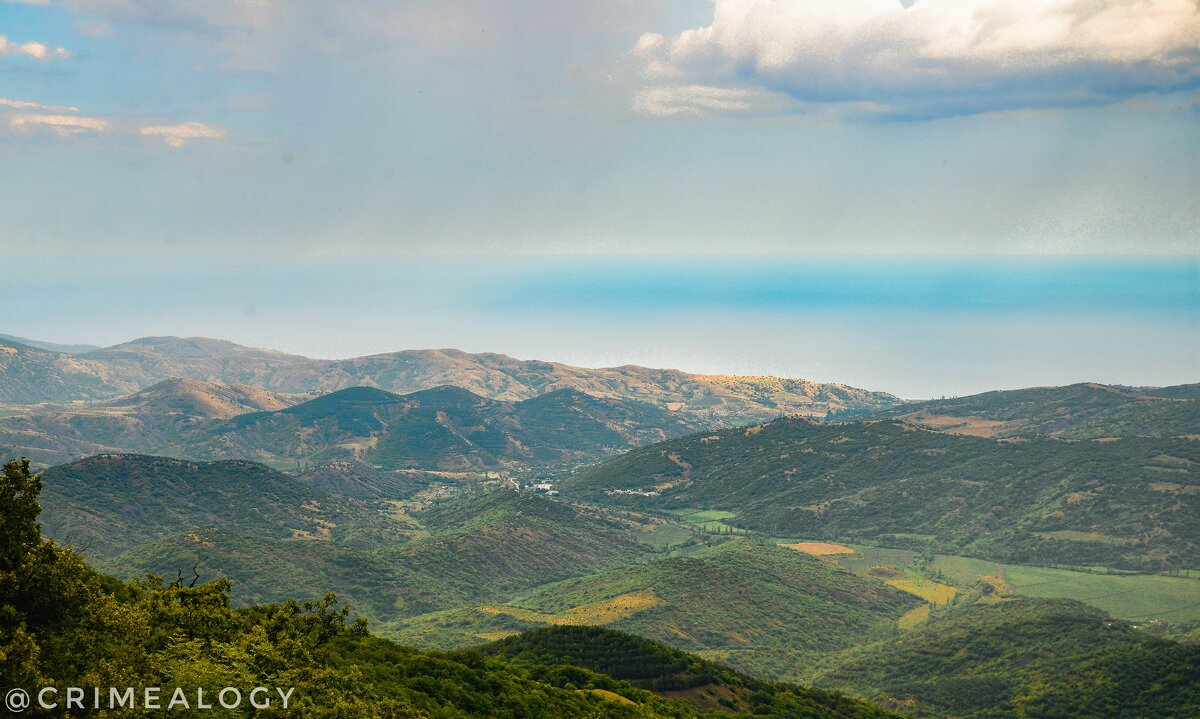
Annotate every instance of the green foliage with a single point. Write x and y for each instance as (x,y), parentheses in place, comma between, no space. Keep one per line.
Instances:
(1034,501)
(66,625)
(110,503)
(651,665)
(1026,658)
(764,610)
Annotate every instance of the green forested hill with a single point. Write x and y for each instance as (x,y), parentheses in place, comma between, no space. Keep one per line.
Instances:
(1132,502)
(445,428)
(491,547)
(65,625)
(1026,658)
(765,610)
(1078,411)
(110,503)
(650,665)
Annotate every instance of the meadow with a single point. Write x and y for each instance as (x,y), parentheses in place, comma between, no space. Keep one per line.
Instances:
(1125,595)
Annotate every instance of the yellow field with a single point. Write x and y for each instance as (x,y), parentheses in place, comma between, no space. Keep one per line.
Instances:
(593,614)
(929,590)
(819,549)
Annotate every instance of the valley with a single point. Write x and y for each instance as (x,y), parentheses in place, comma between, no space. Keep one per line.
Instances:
(854,554)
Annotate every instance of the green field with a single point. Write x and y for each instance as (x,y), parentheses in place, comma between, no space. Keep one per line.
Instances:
(709,520)
(1135,597)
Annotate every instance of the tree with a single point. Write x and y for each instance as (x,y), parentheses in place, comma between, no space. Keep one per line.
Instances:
(19,530)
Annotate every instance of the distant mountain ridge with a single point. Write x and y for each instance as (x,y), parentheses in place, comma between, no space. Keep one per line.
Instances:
(1080,411)
(52,346)
(148,421)
(444,428)
(31,375)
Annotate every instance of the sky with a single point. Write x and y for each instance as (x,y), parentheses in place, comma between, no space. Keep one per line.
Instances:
(646,151)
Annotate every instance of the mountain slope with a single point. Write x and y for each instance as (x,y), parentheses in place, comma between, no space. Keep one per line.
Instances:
(492,546)
(762,609)
(45,376)
(110,503)
(705,685)
(1026,658)
(1078,411)
(29,375)
(1130,503)
(149,421)
(445,428)
(67,625)
(51,346)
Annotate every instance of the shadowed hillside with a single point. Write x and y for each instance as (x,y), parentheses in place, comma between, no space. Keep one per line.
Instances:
(445,428)
(649,665)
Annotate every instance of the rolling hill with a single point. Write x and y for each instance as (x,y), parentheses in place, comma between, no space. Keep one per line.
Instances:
(646,664)
(765,610)
(31,375)
(148,421)
(446,428)
(1128,503)
(72,349)
(1025,658)
(1078,411)
(67,624)
(108,504)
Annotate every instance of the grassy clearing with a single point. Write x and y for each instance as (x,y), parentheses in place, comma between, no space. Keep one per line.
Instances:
(927,589)
(608,696)
(591,614)
(1074,536)
(914,617)
(1125,596)
(709,520)
(819,549)
(699,516)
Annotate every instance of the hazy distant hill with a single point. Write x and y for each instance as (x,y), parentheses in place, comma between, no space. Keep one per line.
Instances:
(1132,502)
(1026,658)
(1078,411)
(444,428)
(148,421)
(51,346)
(30,375)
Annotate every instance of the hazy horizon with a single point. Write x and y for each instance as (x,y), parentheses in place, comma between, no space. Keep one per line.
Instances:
(914,327)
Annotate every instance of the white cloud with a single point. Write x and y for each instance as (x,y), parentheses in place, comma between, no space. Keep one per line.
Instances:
(936,57)
(178,135)
(27,105)
(35,50)
(61,125)
(693,100)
